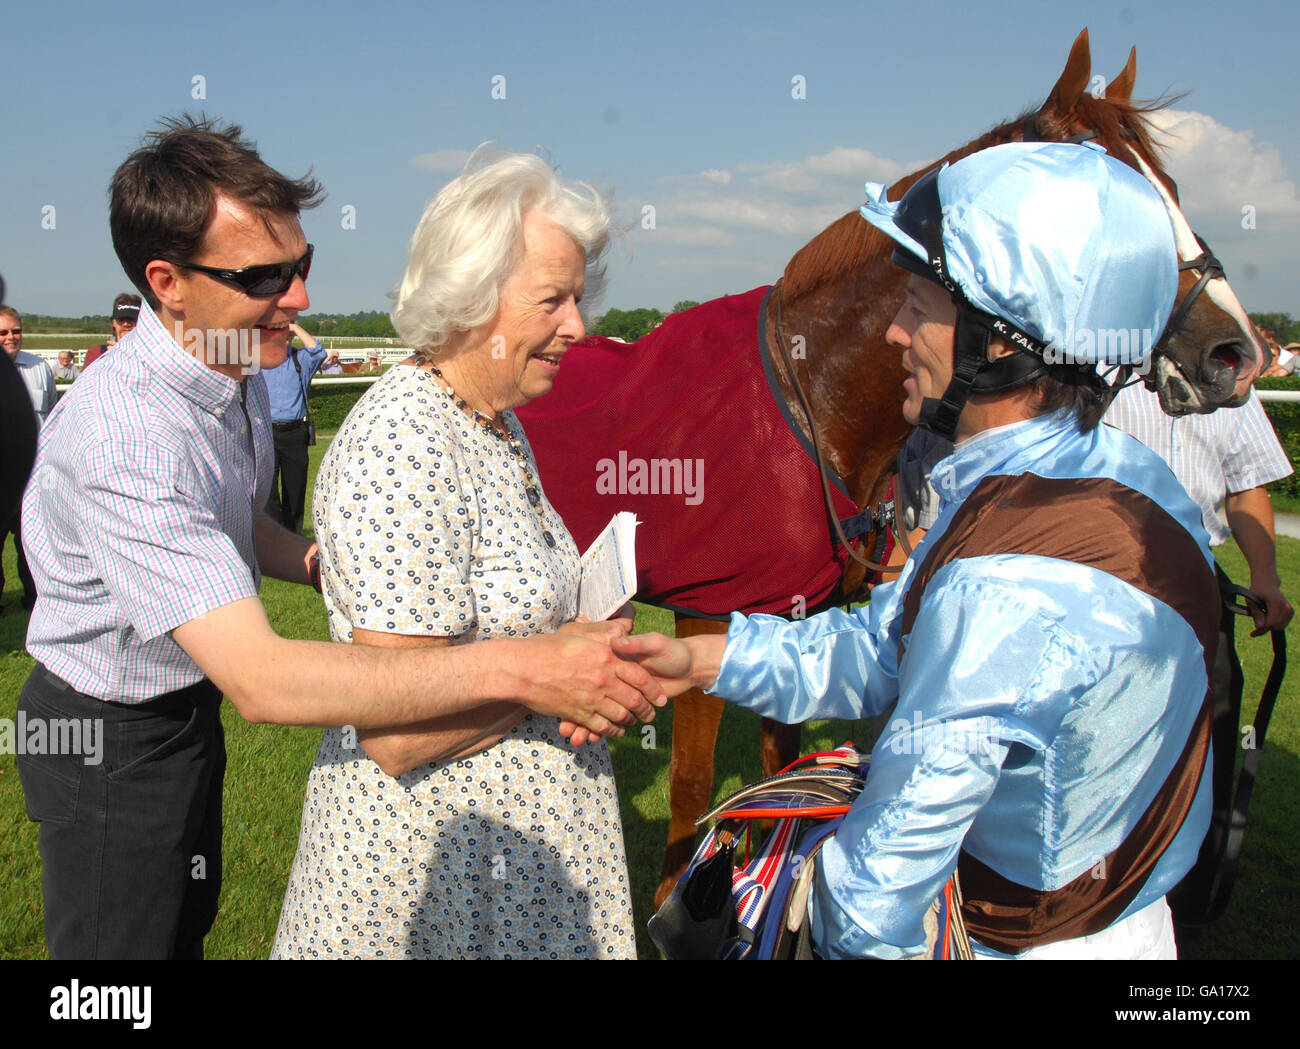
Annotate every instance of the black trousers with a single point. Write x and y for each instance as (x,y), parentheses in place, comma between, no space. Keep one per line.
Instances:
(130,844)
(1190,898)
(10,527)
(289,485)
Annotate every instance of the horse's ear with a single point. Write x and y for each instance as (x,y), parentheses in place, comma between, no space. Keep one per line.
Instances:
(1078,68)
(1121,88)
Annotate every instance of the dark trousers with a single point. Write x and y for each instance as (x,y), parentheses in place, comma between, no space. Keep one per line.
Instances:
(11,527)
(289,485)
(131,846)
(1190,898)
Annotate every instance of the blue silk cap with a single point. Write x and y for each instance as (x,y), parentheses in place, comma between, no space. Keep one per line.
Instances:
(1064,241)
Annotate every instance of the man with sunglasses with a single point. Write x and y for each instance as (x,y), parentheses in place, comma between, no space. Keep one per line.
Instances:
(145,508)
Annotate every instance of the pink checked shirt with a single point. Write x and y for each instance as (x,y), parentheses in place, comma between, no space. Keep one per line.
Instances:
(139,514)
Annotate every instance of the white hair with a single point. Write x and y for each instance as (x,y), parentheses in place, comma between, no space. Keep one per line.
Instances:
(470,239)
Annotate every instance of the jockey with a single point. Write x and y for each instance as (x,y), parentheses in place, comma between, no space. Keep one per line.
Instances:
(1046,644)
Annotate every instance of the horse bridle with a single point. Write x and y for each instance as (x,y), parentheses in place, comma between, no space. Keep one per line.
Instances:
(879,517)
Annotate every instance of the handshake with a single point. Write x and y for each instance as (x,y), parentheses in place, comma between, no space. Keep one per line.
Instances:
(598,679)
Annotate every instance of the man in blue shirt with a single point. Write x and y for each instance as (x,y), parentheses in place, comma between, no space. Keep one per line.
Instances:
(1047,643)
(288,386)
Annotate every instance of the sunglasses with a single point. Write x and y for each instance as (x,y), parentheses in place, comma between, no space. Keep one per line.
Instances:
(274,278)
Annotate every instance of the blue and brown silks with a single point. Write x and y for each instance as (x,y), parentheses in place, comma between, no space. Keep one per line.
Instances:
(1050,679)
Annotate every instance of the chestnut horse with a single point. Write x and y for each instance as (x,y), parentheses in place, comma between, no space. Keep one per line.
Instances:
(821,335)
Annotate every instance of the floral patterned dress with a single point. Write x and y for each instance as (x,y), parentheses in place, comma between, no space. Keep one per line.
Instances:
(517,851)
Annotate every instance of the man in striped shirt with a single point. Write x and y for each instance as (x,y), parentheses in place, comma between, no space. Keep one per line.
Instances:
(144,518)
(1224,460)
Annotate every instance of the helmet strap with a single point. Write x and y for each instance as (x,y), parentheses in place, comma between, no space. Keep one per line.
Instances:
(970,353)
(973,372)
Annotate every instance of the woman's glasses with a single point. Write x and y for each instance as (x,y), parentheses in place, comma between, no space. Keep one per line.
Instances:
(271,279)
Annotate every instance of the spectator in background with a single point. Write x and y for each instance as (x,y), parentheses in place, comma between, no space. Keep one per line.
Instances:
(67,368)
(288,384)
(1286,362)
(373,366)
(126,310)
(332,365)
(39,380)
(1225,460)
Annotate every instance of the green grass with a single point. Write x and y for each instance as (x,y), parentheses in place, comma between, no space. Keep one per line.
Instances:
(268,768)
(1285,504)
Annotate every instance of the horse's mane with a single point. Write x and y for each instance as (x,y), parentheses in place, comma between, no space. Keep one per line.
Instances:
(849,242)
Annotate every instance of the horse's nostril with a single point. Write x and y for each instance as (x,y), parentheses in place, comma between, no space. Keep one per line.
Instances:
(1227,355)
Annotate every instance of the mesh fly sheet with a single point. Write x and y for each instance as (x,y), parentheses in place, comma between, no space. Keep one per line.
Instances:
(686,429)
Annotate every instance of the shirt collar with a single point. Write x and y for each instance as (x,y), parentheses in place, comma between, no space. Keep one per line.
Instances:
(174,367)
(997,451)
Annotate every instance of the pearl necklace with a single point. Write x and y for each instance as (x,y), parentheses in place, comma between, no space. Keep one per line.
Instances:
(510,440)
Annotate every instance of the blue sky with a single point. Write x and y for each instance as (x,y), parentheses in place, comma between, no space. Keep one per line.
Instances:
(684,107)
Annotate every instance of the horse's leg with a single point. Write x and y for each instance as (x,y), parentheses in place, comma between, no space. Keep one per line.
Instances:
(690,774)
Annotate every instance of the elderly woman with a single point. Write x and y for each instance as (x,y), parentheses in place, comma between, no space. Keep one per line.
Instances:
(485,834)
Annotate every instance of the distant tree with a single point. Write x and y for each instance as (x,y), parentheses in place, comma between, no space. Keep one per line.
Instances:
(628,325)
(684,305)
(1287,329)
(367,323)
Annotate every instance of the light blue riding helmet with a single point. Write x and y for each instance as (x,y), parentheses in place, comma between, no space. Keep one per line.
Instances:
(1058,248)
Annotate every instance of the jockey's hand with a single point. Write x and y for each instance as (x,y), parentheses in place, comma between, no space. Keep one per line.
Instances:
(673,663)
(1275,614)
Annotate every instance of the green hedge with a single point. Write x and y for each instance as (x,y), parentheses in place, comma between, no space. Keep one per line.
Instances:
(330,405)
(1285,418)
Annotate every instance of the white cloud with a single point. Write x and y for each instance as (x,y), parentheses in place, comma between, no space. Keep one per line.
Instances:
(442,161)
(798,198)
(825,175)
(713,176)
(1219,170)
(1235,192)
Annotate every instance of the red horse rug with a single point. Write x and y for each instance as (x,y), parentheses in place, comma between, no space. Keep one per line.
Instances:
(687,429)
